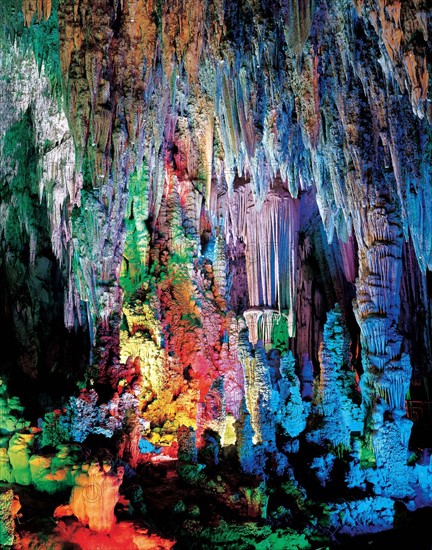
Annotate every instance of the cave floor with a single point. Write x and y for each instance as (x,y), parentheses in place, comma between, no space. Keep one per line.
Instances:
(179,516)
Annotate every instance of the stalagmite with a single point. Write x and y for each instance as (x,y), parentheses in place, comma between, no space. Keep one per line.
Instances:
(94,496)
(186,191)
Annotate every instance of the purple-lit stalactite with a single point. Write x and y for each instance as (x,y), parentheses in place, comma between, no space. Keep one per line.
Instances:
(415,319)
(250,164)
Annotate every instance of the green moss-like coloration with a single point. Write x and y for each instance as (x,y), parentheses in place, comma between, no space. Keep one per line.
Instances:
(367,457)
(192,320)
(134,268)
(42,37)
(11,415)
(6,519)
(249,536)
(191,473)
(54,473)
(281,540)
(279,336)
(20,450)
(21,159)
(53,431)
(11,20)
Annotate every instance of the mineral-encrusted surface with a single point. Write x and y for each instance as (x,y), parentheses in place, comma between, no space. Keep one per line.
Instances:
(216,249)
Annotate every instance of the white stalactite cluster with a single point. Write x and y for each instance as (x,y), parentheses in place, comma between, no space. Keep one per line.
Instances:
(271,235)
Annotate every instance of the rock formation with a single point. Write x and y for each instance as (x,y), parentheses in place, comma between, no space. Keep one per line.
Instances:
(216,241)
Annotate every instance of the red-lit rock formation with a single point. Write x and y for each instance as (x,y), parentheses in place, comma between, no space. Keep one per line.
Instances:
(187,190)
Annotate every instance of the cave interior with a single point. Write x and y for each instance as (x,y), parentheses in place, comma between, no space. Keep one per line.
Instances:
(215,274)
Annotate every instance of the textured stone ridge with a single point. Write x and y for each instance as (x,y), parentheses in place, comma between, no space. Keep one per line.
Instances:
(186,191)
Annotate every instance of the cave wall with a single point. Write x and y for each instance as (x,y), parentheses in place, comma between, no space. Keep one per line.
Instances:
(189,189)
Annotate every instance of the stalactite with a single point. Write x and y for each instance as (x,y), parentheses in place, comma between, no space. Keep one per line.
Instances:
(40,8)
(209,166)
(270,244)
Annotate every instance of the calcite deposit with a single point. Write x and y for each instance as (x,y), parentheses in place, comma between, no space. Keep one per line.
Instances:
(215,270)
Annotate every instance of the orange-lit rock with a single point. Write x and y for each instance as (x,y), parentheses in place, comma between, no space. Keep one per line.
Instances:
(94,496)
(40,8)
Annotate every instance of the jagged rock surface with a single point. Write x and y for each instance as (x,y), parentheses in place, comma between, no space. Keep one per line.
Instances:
(189,190)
